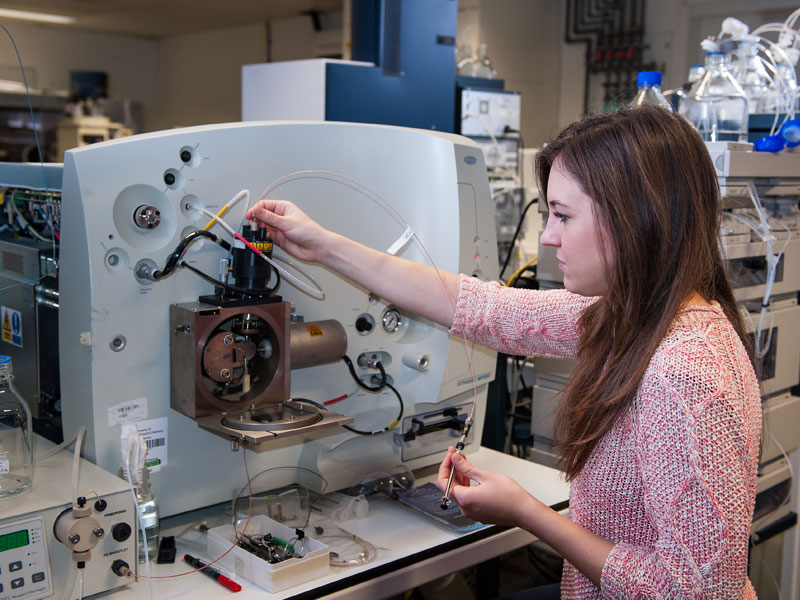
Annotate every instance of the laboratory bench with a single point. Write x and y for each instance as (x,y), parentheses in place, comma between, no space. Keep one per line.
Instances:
(412,549)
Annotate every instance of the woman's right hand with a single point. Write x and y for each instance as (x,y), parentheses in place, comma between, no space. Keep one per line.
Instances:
(290,228)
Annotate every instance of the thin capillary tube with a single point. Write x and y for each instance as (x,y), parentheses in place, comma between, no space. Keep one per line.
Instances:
(468,423)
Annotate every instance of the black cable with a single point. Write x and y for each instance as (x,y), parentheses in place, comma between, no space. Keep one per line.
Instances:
(516,234)
(230,286)
(180,249)
(388,427)
(357,379)
(384,383)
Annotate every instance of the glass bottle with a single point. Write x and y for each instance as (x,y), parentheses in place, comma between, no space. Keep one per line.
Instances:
(649,83)
(16,441)
(484,66)
(148,511)
(750,73)
(716,104)
(695,73)
(467,64)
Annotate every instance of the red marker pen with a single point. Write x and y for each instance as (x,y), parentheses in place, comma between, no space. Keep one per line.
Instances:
(212,572)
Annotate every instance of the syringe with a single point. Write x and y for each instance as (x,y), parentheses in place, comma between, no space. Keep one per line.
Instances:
(459,447)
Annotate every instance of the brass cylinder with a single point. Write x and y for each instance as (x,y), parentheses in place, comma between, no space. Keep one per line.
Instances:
(315,343)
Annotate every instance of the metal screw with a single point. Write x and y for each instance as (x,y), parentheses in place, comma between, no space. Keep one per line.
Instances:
(74,538)
(98,532)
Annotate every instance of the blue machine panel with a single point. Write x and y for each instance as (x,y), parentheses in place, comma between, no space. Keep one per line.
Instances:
(412,44)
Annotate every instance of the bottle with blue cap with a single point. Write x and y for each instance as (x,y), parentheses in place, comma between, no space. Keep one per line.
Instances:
(649,83)
(716,105)
(16,431)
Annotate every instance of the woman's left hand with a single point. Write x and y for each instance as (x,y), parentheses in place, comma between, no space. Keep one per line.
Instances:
(495,499)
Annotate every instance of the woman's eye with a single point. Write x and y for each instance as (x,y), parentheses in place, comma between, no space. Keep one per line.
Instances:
(560,217)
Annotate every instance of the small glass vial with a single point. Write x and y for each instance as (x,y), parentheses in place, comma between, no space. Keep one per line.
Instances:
(16,441)
(148,511)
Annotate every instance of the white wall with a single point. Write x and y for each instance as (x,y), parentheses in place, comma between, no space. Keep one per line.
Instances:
(198,76)
(50,53)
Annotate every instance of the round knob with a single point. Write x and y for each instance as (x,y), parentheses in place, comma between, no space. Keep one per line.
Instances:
(363,325)
(186,156)
(121,532)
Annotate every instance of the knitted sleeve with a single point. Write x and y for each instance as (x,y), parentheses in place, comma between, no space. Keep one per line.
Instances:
(697,429)
(515,321)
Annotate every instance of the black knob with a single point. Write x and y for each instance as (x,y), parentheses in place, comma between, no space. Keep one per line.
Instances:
(169,178)
(186,156)
(81,501)
(121,532)
(363,325)
(100,505)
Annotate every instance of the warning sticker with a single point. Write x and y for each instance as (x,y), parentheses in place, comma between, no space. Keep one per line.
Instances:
(12,326)
(314,330)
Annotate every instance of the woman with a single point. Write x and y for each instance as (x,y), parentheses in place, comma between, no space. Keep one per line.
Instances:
(659,426)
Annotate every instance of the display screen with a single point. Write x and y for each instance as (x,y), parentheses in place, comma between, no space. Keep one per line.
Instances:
(9,541)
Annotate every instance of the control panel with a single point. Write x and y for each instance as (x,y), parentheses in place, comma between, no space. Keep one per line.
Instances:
(24,564)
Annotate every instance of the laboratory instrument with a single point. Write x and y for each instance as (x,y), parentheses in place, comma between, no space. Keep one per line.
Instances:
(48,536)
(146,340)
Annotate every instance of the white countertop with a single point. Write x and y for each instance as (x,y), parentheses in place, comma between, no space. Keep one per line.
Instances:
(412,549)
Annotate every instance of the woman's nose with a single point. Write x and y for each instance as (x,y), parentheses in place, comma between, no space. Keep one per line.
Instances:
(549,236)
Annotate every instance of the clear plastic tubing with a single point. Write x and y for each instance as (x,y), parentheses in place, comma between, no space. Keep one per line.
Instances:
(341,507)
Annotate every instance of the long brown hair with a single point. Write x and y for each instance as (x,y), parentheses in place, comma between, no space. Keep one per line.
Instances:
(658,202)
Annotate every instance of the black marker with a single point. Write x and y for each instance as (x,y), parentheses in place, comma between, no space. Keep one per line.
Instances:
(212,572)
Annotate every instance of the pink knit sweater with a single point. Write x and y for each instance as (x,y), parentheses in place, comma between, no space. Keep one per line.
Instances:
(673,483)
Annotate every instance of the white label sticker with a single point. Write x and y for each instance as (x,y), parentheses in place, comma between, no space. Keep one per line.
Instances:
(4,466)
(127,412)
(12,326)
(154,433)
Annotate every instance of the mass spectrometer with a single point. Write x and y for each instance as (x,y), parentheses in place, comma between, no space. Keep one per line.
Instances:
(189,337)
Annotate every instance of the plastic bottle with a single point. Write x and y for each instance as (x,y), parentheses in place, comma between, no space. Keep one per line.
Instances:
(148,510)
(649,83)
(716,104)
(16,441)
